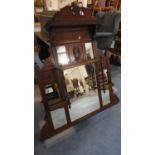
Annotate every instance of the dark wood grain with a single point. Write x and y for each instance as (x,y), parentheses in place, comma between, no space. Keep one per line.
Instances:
(70,31)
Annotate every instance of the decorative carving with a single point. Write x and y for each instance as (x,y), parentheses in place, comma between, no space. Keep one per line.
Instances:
(76,8)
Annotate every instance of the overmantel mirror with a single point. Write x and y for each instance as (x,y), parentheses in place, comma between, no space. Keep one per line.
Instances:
(75,82)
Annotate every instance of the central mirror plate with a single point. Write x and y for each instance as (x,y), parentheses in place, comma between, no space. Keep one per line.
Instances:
(82,90)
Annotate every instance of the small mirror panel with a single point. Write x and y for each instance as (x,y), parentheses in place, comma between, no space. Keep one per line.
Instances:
(62,55)
(89,50)
(58,118)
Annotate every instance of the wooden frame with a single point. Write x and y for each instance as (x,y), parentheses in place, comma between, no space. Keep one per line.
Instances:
(63,31)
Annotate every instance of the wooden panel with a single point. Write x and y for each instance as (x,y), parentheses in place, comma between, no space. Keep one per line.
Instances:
(70,36)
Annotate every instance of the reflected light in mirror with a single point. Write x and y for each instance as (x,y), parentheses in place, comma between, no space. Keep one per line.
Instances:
(82,91)
(49,90)
(62,55)
(89,50)
(58,117)
(63,60)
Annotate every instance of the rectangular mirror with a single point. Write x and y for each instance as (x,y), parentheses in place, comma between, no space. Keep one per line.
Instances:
(51,91)
(58,117)
(89,50)
(82,90)
(75,52)
(62,55)
(105,97)
(105,93)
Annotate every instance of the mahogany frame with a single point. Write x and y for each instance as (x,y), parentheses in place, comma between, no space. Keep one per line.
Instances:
(52,72)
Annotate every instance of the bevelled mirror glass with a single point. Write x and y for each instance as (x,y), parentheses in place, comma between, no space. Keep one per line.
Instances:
(62,55)
(76,53)
(82,90)
(52,92)
(89,50)
(58,117)
(105,97)
(105,92)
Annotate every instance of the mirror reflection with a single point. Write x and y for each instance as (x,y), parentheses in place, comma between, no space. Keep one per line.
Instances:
(89,50)
(82,90)
(51,91)
(62,55)
(105,92)
(76,53)
(58,118)
(105,97)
